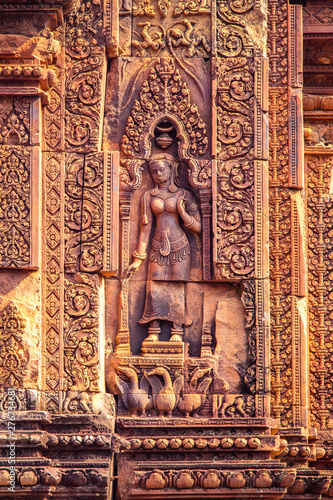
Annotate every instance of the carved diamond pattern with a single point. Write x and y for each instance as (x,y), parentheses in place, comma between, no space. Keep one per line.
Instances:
(53,202)
(54,101)
(53,169)
(52,340)
(53,304)
(325,15)
(53,270)
(53,135)
(52,377)
(53,238)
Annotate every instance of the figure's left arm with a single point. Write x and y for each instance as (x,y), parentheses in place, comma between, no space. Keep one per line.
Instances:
(189,212)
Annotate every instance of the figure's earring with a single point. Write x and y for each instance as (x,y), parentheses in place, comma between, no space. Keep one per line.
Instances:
(172,187)
(155,191)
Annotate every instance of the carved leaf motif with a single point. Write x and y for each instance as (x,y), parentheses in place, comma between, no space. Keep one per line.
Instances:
(14,207)
(15,121)
(14,355)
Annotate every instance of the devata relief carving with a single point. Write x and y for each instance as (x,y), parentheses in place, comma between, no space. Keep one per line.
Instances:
(166,190)
(169,254)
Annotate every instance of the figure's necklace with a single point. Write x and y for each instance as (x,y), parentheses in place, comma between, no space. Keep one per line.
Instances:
(162,195)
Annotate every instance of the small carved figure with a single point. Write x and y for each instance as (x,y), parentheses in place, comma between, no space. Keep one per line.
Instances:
(169,258)
(235,400)
(154,39)
(165,396)
(195,399)
(189,39)
(135,399)
(312,137)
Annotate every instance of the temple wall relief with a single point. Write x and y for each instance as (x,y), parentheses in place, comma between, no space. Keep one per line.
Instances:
(165,276)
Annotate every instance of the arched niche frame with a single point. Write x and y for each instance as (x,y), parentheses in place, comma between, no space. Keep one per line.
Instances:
(163,96)
(198,172)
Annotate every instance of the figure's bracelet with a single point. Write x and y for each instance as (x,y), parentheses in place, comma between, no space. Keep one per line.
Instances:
(139,255)
(191,223)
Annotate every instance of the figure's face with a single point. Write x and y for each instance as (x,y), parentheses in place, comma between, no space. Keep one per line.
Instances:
(160,171)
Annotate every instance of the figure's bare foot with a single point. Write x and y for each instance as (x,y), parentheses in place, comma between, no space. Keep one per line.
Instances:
(154,331)
(176,333)
(152,337)
(175,338)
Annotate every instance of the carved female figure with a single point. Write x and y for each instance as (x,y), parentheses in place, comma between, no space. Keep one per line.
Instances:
(169,256)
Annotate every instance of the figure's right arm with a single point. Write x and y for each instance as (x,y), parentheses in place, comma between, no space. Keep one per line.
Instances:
(146,221)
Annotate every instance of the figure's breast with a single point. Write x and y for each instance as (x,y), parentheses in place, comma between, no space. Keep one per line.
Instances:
(160,206)
(171,205)
(157,206)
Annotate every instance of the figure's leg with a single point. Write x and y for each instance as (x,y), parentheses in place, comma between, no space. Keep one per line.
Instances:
(176,332)
(154,331)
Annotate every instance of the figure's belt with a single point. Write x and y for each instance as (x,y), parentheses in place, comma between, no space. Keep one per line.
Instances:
(164,245)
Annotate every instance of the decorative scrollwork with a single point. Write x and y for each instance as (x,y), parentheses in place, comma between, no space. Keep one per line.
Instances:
(235,217)
(84,213)
(232,37)
(188,7)
(143,8)
(81,333)
(235,111)
(84,77)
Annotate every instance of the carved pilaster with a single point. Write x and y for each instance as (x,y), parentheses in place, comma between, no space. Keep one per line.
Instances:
(111,214)
(123,338)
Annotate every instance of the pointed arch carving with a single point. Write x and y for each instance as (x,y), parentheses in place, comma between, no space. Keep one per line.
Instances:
(164,96)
